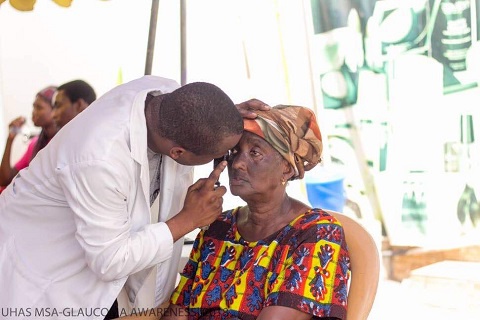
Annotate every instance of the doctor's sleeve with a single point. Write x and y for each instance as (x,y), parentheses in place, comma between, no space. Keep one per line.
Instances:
(97,193)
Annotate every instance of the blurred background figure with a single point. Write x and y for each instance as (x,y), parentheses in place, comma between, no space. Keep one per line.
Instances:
(72,98)
(42,116)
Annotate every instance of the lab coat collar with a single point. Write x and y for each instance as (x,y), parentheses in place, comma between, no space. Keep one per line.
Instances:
(138,140)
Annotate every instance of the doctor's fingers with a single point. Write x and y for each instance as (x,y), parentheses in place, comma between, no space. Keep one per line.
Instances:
(207,185)
(205,209)
(197,185)
(215,175)
(247,108)
(215,197)
(201,197)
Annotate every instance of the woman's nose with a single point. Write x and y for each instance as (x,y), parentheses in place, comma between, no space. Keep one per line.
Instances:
(238,160)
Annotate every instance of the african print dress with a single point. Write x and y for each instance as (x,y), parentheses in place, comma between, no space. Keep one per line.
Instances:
(304,266)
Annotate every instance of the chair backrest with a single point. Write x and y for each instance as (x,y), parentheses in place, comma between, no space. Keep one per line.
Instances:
(365,266)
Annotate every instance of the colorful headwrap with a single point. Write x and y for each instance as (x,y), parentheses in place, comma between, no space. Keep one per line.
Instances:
(293,131)
(47,94)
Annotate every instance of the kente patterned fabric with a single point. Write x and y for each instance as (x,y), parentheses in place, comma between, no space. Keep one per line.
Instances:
(293,131)
(297,267)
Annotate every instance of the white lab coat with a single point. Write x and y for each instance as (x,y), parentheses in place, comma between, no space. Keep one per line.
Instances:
(76,223)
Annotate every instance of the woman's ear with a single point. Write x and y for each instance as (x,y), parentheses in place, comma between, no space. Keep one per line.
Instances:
(288,171)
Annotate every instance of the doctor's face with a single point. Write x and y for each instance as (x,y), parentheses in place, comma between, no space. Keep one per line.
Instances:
(164,146)
(190,159)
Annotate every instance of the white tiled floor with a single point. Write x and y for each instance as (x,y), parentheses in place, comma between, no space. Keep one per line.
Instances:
(393,302)
(396,301)
(387,299)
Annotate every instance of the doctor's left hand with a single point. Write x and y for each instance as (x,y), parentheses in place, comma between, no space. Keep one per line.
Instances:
(247,108)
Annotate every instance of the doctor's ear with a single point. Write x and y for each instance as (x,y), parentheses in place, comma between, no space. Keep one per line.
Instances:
(176,152)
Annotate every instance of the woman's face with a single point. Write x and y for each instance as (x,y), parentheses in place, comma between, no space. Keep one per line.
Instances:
(42,114)
(255,168)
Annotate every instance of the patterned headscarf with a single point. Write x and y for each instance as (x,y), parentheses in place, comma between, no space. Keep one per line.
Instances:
(47,94)
(293,131)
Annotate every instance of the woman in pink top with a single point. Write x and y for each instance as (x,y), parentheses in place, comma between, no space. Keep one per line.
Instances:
(42,116)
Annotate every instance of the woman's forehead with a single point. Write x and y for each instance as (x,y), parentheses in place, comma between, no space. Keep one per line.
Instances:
(252,138)
(249,137)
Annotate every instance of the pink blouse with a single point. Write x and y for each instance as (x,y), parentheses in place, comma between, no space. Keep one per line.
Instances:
(27,156)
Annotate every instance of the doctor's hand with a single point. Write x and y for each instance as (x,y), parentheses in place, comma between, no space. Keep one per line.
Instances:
(247,108)
(202,205)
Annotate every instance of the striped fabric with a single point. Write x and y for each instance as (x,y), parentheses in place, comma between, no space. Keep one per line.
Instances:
(293,131)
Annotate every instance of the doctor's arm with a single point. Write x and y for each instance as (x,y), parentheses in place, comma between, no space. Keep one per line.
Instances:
(99,195)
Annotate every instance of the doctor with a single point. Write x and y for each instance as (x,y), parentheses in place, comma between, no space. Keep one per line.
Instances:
(75,227)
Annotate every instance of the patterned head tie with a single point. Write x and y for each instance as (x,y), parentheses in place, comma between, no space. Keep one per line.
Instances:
(293,131)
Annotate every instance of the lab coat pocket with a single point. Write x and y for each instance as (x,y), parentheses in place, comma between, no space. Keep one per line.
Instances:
(24,288)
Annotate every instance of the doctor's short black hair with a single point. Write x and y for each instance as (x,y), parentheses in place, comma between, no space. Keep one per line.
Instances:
(196,116)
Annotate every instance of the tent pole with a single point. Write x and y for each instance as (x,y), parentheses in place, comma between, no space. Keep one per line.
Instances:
(183,42)
(151,37)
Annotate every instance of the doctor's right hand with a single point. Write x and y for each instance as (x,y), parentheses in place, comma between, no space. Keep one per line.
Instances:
(202,205)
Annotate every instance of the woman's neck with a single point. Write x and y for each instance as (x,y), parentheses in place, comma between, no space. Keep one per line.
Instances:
(258,221)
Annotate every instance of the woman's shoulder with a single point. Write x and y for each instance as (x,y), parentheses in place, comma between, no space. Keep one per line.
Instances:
(33,140)
(317,216)
(224,225)
(229,215)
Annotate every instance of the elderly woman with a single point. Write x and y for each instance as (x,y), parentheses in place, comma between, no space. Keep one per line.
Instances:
(275,258)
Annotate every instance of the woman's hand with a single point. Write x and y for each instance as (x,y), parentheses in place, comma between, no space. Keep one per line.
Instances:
(14,126)
(247,108)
